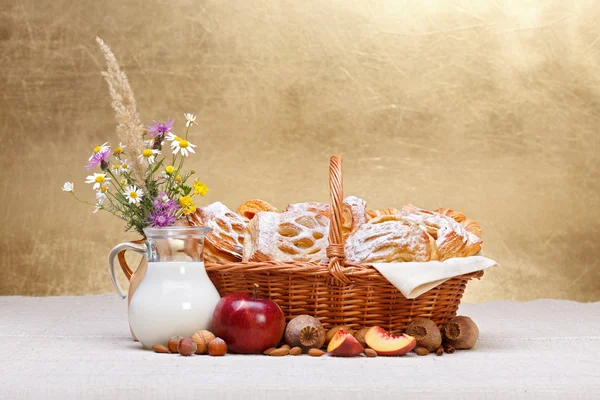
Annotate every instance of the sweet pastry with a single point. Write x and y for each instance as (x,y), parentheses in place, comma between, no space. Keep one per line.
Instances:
(452,239)
(389,238)
(288,236)
(376,213)
(250,208)
(321,208)
(225,242)
(470,225)
(353,212)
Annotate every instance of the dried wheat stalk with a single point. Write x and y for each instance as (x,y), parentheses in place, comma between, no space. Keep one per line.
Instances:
(129,126)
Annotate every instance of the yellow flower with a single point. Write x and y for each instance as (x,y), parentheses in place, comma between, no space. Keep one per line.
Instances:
(187,204)
(178,179)
(169,169)
(200,188)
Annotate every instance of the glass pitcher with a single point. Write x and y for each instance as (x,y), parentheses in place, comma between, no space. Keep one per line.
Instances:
(175,296)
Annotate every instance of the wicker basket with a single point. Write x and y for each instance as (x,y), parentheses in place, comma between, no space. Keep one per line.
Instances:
(339,293)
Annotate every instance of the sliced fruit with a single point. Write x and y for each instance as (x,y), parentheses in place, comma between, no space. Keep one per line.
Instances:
(343,344)
(386,344)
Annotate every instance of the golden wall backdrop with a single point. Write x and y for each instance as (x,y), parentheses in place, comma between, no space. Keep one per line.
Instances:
(488,107)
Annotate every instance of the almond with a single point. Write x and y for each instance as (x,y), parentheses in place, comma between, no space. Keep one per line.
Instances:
(315,352)
(285,346)
(159,348)
(370,353)
(421,351)
(295,351)
(280,352)
(268,351)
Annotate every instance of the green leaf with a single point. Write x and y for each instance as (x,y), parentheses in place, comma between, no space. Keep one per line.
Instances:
(186,190)
(157,166)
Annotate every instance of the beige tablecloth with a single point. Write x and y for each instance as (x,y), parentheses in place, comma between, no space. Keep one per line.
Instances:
(79,348)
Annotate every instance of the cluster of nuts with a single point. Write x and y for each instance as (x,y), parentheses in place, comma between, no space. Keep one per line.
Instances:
(292,351)
(201,342)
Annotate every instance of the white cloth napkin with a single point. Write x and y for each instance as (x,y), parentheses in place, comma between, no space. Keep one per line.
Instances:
(416,278)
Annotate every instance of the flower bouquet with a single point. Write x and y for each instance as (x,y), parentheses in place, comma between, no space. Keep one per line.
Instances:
(141,181)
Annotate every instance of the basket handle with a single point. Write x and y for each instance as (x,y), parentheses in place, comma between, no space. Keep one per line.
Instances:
(335,250)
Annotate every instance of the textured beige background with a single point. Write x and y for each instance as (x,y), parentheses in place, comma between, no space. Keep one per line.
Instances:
(489,107)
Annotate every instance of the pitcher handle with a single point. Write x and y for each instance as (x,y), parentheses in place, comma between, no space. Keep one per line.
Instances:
(119,252)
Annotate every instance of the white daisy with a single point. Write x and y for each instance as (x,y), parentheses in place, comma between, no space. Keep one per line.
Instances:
(68,187)
(116,168)
(101,193)
(183,145)
(133,194)
(191,119)
(124,182)
(97,180)
(119,150)
(148,143)
(171,137)
(98,207)
(124,167)
(98,149)
(149,155)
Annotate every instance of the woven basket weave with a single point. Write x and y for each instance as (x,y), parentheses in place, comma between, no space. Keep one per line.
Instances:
(339,293)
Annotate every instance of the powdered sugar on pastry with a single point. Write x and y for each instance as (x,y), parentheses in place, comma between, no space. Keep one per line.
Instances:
(289,236)
(389,238)
(225,242)
(321,208)
(451,237)
(353,212)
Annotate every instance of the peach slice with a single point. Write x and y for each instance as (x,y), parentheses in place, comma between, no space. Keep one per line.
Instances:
(343,344)
(386,344)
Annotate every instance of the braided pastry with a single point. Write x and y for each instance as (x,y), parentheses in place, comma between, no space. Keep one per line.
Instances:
(470,225)
(225,242)
(390,238)
(288,236)
(353,212)
(250,208)
(452,238)
(376,213)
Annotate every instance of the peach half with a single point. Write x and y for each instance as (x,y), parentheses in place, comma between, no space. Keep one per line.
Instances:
(386,344)
(343,344)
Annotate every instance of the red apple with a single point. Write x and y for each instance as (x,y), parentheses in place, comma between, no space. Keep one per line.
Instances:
(247,323)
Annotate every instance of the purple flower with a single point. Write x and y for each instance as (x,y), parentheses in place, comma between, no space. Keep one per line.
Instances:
(162,203)
(160,128)
(99,158)
(160,219)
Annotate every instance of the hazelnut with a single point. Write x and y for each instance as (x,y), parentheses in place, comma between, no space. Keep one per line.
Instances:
(217,347)
(186,347)
(202,339)
(173,343)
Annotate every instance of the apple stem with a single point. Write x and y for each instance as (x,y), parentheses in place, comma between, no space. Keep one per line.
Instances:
(255,291)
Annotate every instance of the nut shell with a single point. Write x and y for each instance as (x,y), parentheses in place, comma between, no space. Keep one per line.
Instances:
(202,339)
(360,336)
(217,347)
(174,343)
(186,347)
